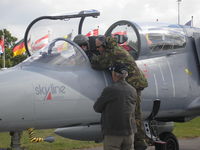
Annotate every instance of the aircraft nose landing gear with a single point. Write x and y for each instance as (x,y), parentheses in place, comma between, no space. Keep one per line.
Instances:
(16,136)
(15,140)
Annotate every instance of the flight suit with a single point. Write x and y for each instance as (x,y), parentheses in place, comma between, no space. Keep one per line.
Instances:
(115,54)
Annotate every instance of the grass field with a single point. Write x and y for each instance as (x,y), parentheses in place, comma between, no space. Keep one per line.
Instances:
(59,144)
(188,129)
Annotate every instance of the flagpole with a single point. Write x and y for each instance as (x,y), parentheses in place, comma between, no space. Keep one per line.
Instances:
(4,64)
(192,21)
(178,11)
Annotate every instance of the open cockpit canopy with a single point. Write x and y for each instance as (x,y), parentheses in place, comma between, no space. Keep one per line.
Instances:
(45,29)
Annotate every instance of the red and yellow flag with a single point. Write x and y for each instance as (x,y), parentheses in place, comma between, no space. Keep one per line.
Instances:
(19,48)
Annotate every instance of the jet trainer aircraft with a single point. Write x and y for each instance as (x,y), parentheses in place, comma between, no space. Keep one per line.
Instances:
(56,87)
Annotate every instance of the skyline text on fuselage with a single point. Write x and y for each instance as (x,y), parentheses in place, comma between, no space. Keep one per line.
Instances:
(44,90)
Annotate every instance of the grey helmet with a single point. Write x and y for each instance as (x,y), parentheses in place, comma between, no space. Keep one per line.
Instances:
(81,40)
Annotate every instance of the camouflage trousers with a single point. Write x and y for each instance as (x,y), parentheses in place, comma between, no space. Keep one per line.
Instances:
(139,139)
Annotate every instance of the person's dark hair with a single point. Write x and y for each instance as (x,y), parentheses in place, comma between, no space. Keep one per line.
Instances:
(119,67)
(81,40)
(102,38)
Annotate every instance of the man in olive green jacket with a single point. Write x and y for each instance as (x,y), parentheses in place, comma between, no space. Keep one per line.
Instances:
(117,105)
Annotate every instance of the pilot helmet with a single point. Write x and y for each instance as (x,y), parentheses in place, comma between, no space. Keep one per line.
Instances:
(81,40)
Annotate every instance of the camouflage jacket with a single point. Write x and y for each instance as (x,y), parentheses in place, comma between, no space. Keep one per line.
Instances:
(116,54)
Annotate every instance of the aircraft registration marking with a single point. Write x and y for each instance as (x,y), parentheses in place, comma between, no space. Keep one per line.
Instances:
(145,70)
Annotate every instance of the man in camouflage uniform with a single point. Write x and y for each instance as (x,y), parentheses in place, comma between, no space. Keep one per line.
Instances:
(110,54)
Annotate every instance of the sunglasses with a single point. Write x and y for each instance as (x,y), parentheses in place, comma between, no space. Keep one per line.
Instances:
(99,46)
(83,44)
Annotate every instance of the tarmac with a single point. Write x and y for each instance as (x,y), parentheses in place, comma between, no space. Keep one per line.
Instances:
(184,144)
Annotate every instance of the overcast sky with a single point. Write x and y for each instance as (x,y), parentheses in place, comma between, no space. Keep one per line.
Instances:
(15,15)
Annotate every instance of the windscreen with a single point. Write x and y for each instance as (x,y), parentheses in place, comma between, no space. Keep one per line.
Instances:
(59,52)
